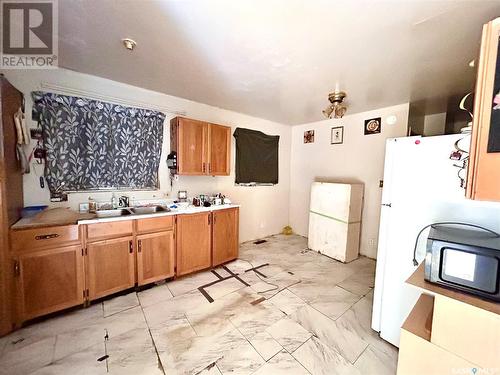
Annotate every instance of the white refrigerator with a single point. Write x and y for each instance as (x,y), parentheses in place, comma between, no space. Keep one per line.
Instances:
(421,186)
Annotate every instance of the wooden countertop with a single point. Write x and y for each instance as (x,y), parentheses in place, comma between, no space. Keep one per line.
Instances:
(417,279)
(52,217)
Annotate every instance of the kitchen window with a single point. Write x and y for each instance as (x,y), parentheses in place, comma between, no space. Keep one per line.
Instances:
(94,145)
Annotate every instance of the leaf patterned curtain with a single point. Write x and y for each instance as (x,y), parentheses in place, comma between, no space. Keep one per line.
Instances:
(92,144)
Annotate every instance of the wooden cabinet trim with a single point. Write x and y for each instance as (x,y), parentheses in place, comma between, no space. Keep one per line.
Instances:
(484,168)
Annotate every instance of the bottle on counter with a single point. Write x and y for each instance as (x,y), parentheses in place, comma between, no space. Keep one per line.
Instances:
(92,205)
(114,201)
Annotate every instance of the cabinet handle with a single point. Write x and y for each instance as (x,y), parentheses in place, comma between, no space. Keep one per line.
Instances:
(139,246)
(46,236)
(17,269)
(209,219)
(209,168)
(130,247)
(203,168)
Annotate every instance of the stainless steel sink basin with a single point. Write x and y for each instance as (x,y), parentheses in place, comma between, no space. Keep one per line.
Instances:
(113,213)
(149,209)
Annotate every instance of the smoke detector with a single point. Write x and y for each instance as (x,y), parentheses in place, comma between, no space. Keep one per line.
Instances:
(129,44)
(336,109)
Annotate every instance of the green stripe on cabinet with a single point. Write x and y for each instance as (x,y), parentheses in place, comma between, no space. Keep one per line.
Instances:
(333,218)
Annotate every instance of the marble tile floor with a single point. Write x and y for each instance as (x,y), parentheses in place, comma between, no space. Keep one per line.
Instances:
(303,313)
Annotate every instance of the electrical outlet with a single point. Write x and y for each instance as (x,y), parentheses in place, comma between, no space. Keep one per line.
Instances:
(372,242)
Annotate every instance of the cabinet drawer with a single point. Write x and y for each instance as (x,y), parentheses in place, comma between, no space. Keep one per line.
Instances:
(109,229)
(155,224)
(53,237)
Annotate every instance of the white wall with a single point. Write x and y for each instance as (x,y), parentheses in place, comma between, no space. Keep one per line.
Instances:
(264,209)
(434,124)
(360,158)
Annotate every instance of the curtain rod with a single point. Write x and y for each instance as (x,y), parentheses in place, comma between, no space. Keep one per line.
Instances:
(112,99)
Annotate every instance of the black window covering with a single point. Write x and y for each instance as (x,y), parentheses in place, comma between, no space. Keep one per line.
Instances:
(256,157)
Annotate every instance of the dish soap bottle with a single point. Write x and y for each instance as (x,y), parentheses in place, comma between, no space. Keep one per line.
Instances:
(92,205)
(114,202)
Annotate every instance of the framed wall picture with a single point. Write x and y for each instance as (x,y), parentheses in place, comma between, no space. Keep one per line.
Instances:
(337,136)
(373,126)
(309,136)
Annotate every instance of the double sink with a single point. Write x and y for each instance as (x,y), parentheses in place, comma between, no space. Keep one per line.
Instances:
(144,210)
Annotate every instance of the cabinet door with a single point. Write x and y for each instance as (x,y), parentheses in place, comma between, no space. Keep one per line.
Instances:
(193,235)
(225,235)
(110,266)
(192,147)
(49,280)
(220,150)
(484,163)
(155,257)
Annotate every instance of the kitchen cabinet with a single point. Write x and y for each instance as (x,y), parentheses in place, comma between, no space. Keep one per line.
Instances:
(225,235)
(110,266)
(202,148)
(220,150)
(484,167)
(157,224)
(48,280)
(193,242)
(155,257)
(57,267)
(11,193)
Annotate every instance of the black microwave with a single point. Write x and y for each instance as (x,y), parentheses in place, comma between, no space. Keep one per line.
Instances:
(464,259)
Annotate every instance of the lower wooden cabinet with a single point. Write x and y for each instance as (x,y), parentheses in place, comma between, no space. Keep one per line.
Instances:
(59,267)
(155,257)
(48,280)
(225,235)
(193,244)
(110,266)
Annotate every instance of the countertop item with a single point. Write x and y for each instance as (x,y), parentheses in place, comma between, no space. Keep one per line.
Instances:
(66,216)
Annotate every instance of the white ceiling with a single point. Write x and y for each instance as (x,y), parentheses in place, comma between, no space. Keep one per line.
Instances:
(279,59)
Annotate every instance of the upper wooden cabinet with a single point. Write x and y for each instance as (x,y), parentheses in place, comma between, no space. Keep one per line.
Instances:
(483,182)
(219,150)
(193,245)
(202,148)
(225,235)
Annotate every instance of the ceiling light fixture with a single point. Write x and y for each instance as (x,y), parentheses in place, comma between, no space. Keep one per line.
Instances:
(129,44)
(336,109)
